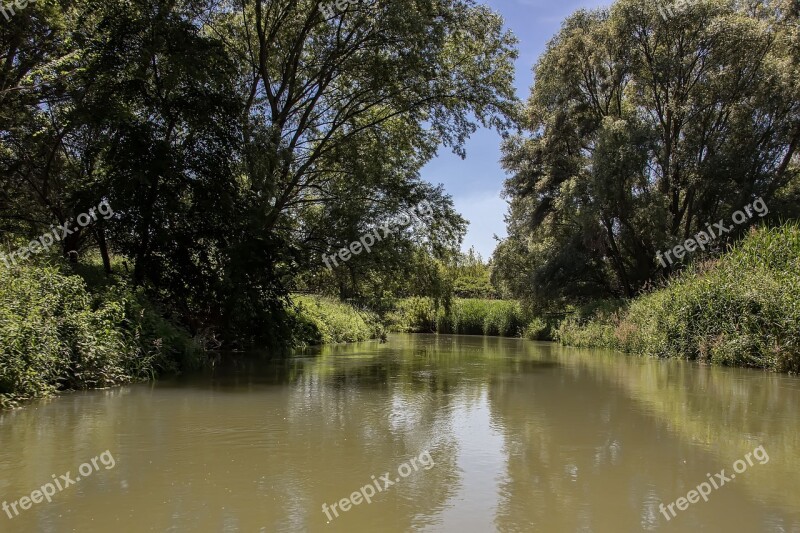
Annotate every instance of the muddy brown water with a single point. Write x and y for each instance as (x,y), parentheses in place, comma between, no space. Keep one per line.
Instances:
(476,435)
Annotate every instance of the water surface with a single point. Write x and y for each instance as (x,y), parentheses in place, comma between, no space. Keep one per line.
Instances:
(522,436)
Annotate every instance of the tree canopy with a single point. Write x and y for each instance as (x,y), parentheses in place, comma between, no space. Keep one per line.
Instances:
(238,141)
(640,131)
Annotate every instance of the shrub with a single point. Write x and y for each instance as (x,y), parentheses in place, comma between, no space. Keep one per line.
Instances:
(469,317)
(414,315)
(466,317)
(538,330)
(743,310)
(596,333)
(56,335)
(322,320)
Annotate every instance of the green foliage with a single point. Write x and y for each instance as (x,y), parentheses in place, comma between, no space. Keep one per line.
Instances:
(56,335)
(641,131)
(742,310)
(322,320)
(465,317)
(470,317)
(472,277)
(416,314)
(538,330)
(237,146)
(594,334)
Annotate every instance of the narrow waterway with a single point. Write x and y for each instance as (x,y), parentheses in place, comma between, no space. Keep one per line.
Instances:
(476,435)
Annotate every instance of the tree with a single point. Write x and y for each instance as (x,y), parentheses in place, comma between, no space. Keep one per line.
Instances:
(239,140)
(642,131)
(472,277)
(342,112)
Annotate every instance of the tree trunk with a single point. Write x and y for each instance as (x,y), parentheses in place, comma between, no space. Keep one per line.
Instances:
(101,242)
(70,246)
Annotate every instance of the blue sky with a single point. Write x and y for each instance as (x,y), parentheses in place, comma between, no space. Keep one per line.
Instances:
(475,183)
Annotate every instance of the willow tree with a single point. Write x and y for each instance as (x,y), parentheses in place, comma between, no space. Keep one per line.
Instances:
(642,130)
(412,74)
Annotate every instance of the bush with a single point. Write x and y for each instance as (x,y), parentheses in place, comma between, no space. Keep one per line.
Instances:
(503,318)
(469,317)
(322,320)
(596,333)
(742,310)
(415,315)
(55,335)
(466,317)
(538,330)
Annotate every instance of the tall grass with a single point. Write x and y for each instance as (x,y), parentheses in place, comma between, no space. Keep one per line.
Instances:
(466,317)
(322,320)
(742,310)
(57,335)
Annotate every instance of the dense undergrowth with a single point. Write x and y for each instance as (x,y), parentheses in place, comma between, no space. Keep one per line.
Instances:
(503,318)
(740,310)
(58,332)
(70,327)
(67,330)
(322,320)
(73,328)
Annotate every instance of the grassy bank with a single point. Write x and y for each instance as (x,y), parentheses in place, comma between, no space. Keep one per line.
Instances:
(322,320)
(503,318)
(59,333)
(61,330)
(741,310)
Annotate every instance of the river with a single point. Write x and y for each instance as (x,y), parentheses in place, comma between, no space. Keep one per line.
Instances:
(476,435)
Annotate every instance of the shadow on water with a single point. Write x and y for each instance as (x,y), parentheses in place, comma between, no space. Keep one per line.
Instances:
(525,436)
(366,364)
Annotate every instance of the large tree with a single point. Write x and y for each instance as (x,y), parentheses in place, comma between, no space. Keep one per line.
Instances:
(237,141)
(342,111)
(642,130)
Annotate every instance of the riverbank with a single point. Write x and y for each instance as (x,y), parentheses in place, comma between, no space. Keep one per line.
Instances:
(65,329)
(742,309)
(323,320)
(468,316)
(60,330)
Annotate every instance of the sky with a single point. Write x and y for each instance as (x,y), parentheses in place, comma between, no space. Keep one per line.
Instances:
(476,182)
